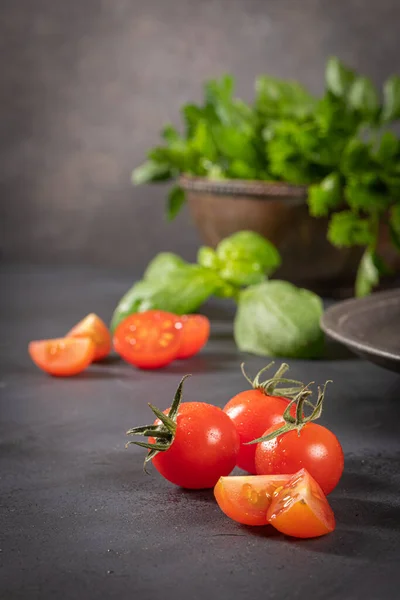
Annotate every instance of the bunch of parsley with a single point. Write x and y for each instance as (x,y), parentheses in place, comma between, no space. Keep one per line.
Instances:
(340,145)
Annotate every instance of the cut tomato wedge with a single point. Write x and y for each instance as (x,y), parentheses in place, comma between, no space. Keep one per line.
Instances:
(300,509)
(92,326)
(246,499)
(62,357)
(148,340)
(195,334)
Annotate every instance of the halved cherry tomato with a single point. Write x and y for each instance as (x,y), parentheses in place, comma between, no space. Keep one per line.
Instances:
(300,508)
(246,498)
(314,448)
(148,340)
(253,412)
(195,333)
(92,326)
(62,357)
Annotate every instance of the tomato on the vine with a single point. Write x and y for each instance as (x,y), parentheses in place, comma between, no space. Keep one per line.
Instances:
(314,448)
(254,411)
(246,498)
(148,340)
(92,326)
(62,357)
(195,334)
(192,444)
(300,508)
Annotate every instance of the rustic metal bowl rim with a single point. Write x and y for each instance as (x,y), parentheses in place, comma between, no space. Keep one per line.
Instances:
(243,187)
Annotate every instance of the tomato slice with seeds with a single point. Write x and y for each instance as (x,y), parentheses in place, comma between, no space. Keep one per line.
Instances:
(195,334)
(62,357)
(92,326)
(300,509)
(246,498)
(148,340)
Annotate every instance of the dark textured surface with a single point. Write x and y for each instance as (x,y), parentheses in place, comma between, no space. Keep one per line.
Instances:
(370,326)
(86,86)
(79,519)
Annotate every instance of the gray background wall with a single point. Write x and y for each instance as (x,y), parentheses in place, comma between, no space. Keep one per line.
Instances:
(86,85)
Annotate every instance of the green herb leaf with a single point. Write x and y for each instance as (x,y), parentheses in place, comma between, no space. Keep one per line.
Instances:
(364,97)
(394,224)
(347,229)
(246,258)
(176,199)
(367,275)
(275,318)
(207,257)
(183,291)
(389,149)
(325,196)
(338,77)
(391,99)
(151,171)
(163,265)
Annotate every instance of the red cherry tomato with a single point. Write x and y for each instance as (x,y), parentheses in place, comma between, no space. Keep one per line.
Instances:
(62,357)
(300,508)
(253,412)
(92,326)
(148,340)
(195,334)
(204,448)
(246,499)
(315,448)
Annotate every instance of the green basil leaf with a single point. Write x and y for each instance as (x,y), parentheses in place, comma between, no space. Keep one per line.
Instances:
(202,141)
(151,171)
(277,98)
(356,157)
(242,272)
(207,257)
(389,148)
(176,199)
(391,99)
(367,275)
(248,247)
(347,229)
(275,318)
(364,97)
(163,265)
(338,77)
(182,292)
(325,196)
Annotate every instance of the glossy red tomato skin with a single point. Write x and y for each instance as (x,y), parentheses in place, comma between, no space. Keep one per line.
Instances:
(195,334)
(148,340)
(315,449)
(253,412)
(205,447)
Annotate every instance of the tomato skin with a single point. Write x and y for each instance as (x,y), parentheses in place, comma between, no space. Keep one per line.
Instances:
(195,334)
(253,412)
(246,499)
(205,447)
(92,326)
(62,357)
(148,340)
(315,448)
(300,508)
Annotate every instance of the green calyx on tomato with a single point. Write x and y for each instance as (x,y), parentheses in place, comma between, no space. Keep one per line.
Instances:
(298,421)
(164,432)
(269,386)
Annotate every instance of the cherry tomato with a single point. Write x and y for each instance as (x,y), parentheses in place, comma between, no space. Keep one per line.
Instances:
(315,448)
(204,448)
(92,326)
(64,356)
(246,499)
(253,412)
(148,340)
(300,508)
(195,334)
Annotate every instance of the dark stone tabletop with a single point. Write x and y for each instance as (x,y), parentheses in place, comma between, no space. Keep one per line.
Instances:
(80,519)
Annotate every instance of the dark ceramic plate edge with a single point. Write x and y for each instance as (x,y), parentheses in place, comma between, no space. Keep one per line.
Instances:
(331,326)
